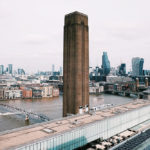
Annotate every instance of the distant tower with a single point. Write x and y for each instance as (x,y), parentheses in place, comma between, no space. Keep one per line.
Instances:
(105,64)
(76,63)
(137,66)
(53,69)
(60,71)
(21,71)
(10,68)
(1,69)
(141,66)
(122,69)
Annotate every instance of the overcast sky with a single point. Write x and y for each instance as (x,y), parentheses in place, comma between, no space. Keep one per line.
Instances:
(31,31)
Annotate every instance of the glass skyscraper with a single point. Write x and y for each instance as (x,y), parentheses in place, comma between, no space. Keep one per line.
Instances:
(10,68)
(141,66)
(105,64)
(137,66)
(61,71)
(53,69)
(1,69)
(21,72)
(122,69)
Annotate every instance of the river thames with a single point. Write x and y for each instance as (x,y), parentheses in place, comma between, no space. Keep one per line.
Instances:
(52,108)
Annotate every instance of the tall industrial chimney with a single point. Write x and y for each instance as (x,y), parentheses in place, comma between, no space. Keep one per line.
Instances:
(76,63)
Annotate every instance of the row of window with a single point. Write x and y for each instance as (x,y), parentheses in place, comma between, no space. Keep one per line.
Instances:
(82,135)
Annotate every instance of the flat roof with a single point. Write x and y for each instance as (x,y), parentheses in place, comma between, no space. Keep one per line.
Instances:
(76,12)
(32,133)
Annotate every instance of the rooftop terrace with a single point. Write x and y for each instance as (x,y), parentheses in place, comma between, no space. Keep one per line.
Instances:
(40,131)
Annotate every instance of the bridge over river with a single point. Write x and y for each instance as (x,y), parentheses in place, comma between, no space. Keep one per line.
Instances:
(15,110)
(125,93)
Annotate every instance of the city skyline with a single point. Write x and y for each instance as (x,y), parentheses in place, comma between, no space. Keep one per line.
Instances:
(32,34)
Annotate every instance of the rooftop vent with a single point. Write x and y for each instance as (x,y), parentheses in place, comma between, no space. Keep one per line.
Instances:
(76,122)
(58,122)
(47,130)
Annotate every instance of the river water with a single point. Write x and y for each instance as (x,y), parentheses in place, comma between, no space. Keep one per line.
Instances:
(52,108)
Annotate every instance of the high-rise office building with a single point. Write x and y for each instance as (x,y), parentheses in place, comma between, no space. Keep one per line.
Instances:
(122,69)
(53,69)
(61,71)
(1,69)
(76,63)
(21,72)
(137,66)
(141,66)
(10,68)
(6,69)
(105,64)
